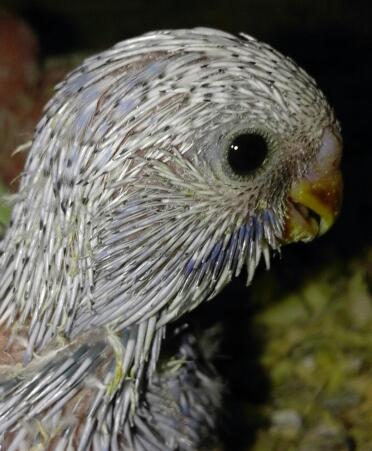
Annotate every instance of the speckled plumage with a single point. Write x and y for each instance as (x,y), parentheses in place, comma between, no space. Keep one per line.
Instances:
(127,217)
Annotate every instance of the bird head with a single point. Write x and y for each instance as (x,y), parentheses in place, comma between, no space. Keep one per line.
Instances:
(181,155)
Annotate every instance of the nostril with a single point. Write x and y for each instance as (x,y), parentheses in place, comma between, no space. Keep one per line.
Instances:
(330,150)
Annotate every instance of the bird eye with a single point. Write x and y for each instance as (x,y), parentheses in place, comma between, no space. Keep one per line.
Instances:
(246,153)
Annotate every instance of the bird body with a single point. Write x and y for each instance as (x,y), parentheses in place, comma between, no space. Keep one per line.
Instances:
(132,211)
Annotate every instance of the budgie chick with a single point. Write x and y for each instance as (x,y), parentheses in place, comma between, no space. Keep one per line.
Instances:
(160,168)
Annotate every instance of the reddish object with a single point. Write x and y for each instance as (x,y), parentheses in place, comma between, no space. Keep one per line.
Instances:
(18,80)
(18,58)
(24,90)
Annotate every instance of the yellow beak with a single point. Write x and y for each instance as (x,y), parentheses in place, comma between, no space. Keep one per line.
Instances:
(314,202)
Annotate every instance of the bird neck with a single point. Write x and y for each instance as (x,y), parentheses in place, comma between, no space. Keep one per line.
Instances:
(44,268)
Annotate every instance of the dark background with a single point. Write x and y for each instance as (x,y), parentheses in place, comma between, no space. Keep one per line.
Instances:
(332,40)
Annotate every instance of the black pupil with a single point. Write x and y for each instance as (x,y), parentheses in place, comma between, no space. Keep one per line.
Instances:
(247,153)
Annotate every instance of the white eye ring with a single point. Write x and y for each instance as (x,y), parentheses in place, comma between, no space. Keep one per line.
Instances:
(245,152)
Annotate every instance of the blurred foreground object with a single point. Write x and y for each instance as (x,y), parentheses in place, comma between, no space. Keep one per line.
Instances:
(318,359)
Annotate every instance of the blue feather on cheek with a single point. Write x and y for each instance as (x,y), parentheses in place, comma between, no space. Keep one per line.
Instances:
(220,254)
